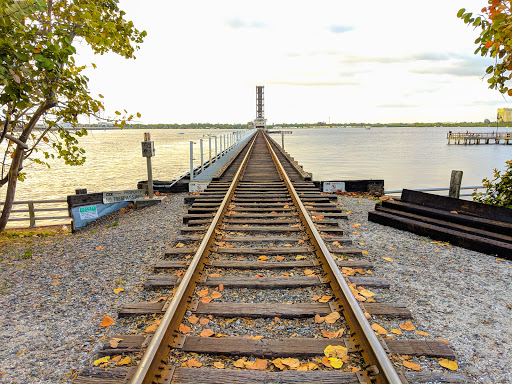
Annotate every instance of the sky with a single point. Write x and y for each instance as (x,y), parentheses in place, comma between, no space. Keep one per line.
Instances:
(333,61)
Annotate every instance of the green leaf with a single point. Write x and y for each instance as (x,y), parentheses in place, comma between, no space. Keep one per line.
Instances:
(461,12)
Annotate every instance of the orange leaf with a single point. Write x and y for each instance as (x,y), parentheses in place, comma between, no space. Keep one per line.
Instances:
(279,258)
(216,295)
(203,292)
(325,299)
(203,321)
(319,319)
(315,297)
(193,319)
(99,248)
(184,328)
(489,44)
(328,335)
(206,299)
(262,258)
(444,341)
(221,288)
(377,328)
(408,326)
(449,364)
(180,245)
(151,328)
(421,333)
(291,362)
(339,332)
(332,317)
(219,243)
(206,333)
(258,364)
(218,365)
(107,321)
(127,360)
(396,331)
(326,362)
(194,363)
(412,366)
(214,275)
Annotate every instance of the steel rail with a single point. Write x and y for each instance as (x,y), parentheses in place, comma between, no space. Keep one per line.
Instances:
(380,368)
(151,368)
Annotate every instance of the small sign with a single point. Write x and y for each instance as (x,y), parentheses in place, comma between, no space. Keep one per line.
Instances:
(148,149)
(334,186)
(118,196)
(197,187)
(88,212)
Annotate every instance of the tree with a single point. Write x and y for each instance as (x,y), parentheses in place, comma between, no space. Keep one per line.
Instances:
(498,191)
(495,40)
(40,81)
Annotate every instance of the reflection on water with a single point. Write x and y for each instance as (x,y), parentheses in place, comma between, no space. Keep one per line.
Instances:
(403,157)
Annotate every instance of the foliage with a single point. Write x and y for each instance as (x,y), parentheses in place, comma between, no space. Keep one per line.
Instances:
(40,80)
(495,40)
(498,191)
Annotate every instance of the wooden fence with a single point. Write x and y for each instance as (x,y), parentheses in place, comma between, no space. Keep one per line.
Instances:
(58,205)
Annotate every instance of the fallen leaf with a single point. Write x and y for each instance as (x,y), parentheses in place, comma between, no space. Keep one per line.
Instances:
(160,299)
(99,248)
(364,252)
(412,366)
(107,321)
(396,331)
(127,360)
(151,328)
(219,243)
(421,333)
(55,282)
(335,362)
(221,288)
(114,342)
(388,259)
(277,319)
(367,315)
(206,299)
(449,364)
(218,365)
(328,335)
(309,272)
(339,333)
(203,292)
(319,319)
(214,275)
(335,351)
(194,363)
(444,341)
(184,328)
(206,333)
(377,328)
(240,363)
(277,362)
(300,257)
(291,362)
(258,364)
(101,360)
(116,359)
(325,361)
(203,321)
(216,295)
(118,290)
(287,245)
(325,299)
(180,245)
(262,258)
(356,225)
(366,293)
(332,317)
(408,326)
(315,297)
(193,319)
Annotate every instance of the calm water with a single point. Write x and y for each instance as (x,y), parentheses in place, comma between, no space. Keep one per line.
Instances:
(403,157)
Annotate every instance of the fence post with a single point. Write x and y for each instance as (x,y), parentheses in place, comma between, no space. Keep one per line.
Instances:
(455,182)
(31,214)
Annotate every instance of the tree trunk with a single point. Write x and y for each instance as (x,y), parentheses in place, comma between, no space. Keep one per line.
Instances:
(11,186)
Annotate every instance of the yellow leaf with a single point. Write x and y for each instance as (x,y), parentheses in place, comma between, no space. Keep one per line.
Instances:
(315,297)
(287,245)
(116,359)
(332,317)
(335,362)
(421,333)
(335,351)
(99,248)
(101,360)
(449,364)
(180,245)
(377,328)
(218,365)
(388,259)
(117,290)
(364,252)
(127,360)
(412,366)
(279,258)
(262,258)
(319,319)
(151,328)
(107,321)
(291,362)
(408,326)
(366,293)
(396,331)
(300,257)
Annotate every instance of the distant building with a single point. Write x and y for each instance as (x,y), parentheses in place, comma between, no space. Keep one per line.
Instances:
(505,114)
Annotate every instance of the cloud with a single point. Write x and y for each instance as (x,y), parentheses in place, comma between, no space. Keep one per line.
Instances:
(397,105)
(340,28)
(238,23)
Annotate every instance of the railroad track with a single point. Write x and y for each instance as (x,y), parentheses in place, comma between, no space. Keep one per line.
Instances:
(262,287)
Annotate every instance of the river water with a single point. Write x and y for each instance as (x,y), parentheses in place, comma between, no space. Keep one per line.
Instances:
(404,157)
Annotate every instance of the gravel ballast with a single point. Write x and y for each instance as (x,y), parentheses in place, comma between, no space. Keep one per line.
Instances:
(54,297)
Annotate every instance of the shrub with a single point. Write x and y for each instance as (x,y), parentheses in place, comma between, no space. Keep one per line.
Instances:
(498,191)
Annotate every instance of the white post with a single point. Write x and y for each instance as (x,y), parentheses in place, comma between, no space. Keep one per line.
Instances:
(191,160)
(210,150)
(224,143)
(201,147)
(216,153)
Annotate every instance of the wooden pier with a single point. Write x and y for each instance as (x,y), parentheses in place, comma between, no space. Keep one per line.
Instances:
(479,137)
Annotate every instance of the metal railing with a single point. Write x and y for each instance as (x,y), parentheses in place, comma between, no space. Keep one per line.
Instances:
(435,190)
(32,210)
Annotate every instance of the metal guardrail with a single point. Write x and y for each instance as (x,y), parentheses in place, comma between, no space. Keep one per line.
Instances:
(31,210)
(435,190)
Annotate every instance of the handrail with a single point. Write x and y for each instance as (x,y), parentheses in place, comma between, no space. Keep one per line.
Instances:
(436,190)
(31,210)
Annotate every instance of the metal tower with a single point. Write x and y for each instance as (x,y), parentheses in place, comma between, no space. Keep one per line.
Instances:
(260,121)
